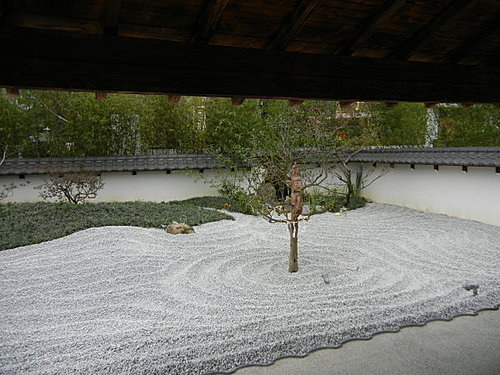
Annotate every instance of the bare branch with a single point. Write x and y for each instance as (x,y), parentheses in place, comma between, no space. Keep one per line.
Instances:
(51,111)
(4,155)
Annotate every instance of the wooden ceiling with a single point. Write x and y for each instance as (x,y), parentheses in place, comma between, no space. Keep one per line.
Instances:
(390,50)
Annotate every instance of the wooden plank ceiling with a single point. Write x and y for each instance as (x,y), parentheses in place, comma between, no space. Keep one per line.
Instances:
(390,50)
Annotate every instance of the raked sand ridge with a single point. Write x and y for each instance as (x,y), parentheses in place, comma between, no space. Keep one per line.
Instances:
(135,300)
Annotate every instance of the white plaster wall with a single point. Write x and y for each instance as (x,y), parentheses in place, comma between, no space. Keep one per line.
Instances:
(123,186)
(474,195)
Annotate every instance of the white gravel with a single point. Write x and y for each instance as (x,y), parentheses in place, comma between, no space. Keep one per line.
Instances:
(134,300)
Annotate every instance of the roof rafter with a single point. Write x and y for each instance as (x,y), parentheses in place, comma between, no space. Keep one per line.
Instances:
(208,20)
(110,16)
(453,9)
(72,61)
(471,45)
(3,5)
(365,30)
(296,21)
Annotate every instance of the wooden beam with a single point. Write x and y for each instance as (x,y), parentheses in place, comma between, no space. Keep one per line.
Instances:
(52,22)
(173,99)
(237,101)
(391,104)
(466,105)
(208,20)
(430,105)
(453,9)
(4,11)
(74,61)
(472,44)
(110,16)
(366,29)
(101,95)
(296,21)
(3,6)
(12,92)
(295,102)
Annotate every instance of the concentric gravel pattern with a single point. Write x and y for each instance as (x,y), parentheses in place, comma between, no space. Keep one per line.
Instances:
(133,300)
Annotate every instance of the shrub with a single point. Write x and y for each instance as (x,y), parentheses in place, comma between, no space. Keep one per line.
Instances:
(30,223)
(74,187)
(218,203)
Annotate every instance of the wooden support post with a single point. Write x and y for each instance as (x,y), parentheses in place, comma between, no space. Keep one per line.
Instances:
(345,104)
(101,95)
(430,105)
(12,92)
(391,104)
(237,101)
(174,99)
(295,102)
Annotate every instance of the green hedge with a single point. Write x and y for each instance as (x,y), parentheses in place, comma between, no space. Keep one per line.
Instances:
(30,223)
(219,203)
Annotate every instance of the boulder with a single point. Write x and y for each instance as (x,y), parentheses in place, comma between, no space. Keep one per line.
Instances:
(179,228)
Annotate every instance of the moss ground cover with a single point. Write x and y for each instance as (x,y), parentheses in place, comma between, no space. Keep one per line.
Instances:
(30,223)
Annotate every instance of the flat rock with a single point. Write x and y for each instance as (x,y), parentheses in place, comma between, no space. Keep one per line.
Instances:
(181,228)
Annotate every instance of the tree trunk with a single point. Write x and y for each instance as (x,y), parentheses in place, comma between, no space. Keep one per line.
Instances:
(296,186)
(293,264)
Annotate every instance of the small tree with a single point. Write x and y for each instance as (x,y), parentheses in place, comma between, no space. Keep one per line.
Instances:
(7,190)
(353,178)
(274,186)
(75,187)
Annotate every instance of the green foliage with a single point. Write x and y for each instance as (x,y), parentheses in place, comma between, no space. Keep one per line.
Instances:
(475,126)
(356,202)
(14,129)
(218,203)
(230,189)
(319,201)
(56,123)
(405,124)
(30,223)
(229,128)
(287,135)
(172,126)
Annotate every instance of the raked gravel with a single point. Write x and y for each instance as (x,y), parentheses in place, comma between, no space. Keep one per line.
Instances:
(135,300)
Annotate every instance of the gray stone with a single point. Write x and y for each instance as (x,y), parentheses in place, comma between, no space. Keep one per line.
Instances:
(180,228)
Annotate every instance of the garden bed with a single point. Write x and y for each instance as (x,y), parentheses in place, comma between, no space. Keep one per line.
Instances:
(137,300)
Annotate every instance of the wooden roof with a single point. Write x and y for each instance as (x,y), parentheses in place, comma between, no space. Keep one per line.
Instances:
(392,50)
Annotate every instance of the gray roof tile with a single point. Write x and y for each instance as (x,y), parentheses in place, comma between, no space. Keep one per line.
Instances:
(469,156)
(107,164)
